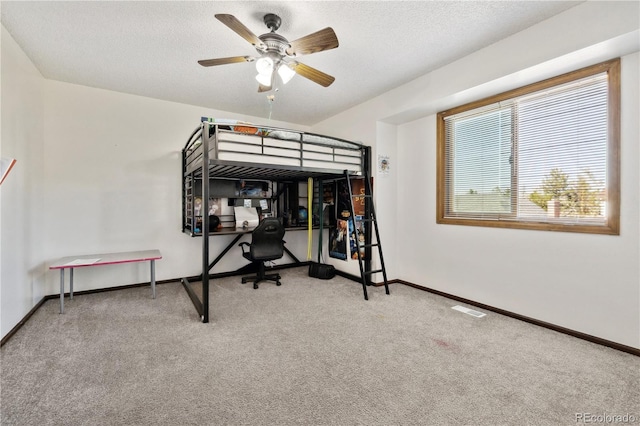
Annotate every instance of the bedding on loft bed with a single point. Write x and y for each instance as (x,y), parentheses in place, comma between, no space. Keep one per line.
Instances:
(242,149)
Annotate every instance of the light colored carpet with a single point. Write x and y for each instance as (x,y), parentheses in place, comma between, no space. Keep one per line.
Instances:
(310,352)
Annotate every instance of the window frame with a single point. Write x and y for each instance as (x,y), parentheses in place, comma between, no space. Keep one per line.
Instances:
(611,225)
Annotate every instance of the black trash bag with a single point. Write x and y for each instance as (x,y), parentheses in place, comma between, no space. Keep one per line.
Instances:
(322,271)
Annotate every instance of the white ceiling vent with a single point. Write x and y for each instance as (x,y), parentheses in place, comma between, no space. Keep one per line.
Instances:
(469,311)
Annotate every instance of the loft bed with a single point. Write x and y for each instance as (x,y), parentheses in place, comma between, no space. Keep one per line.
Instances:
(269,152)
(222,151)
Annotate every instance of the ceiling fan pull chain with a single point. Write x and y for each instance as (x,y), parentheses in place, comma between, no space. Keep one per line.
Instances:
(270,99)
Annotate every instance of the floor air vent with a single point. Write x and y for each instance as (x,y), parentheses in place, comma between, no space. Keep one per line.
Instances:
(468,311)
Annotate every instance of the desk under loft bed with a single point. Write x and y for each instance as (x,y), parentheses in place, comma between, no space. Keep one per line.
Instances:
(217,155)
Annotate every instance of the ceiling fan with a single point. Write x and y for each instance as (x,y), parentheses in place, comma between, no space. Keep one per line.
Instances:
(277,53)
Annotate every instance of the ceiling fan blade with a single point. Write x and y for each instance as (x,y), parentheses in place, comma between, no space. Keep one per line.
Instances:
(223,61)
(312,74)
(237,26)
(317,42)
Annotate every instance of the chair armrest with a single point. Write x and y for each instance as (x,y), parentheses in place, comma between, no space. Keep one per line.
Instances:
(242,244)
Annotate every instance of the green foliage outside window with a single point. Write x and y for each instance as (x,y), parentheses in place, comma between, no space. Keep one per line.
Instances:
(576,198)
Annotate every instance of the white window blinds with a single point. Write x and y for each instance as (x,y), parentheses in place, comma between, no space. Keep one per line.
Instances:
(540,157)
(562,151)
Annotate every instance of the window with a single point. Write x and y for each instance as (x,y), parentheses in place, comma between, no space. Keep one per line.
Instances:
(544,156)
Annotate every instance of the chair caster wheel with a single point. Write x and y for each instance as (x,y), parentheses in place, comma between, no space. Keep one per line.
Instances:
(278,283)
(255,286)
(244,281)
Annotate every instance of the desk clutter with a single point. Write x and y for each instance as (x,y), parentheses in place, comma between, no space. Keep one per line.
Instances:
(242,218)
(232,204)
(246,217)
(237,204)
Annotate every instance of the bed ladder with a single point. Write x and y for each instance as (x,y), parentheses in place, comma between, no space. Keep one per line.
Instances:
(368,219)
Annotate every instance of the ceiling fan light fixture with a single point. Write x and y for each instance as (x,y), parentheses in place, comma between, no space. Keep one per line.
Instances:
(264,66)
(286,73)
(265,78)
(274,51)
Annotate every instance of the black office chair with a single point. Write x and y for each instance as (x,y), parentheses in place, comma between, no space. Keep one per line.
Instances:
(266,244)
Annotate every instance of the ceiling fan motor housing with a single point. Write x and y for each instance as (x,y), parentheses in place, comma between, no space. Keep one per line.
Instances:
(274,43)
(272,21)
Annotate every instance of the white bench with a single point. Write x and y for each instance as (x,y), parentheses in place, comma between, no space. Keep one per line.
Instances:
(71,262)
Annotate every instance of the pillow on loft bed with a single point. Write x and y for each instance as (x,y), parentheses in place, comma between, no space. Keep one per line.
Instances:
(306,137)
(324,140)
(281,134)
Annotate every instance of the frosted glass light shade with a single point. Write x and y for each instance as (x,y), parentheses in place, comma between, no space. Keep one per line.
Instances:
(264,79)
(285,73)
(264,65)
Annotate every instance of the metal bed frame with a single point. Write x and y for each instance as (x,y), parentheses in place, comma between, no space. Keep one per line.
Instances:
(234,150)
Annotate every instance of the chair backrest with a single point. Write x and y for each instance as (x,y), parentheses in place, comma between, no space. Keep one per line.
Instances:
(266,240)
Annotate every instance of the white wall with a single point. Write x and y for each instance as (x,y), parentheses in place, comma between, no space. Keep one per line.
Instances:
(588,283)
(385,187)
(22,209)
(113,183)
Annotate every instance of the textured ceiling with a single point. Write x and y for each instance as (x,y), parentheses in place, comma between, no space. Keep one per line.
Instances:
(151,48)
